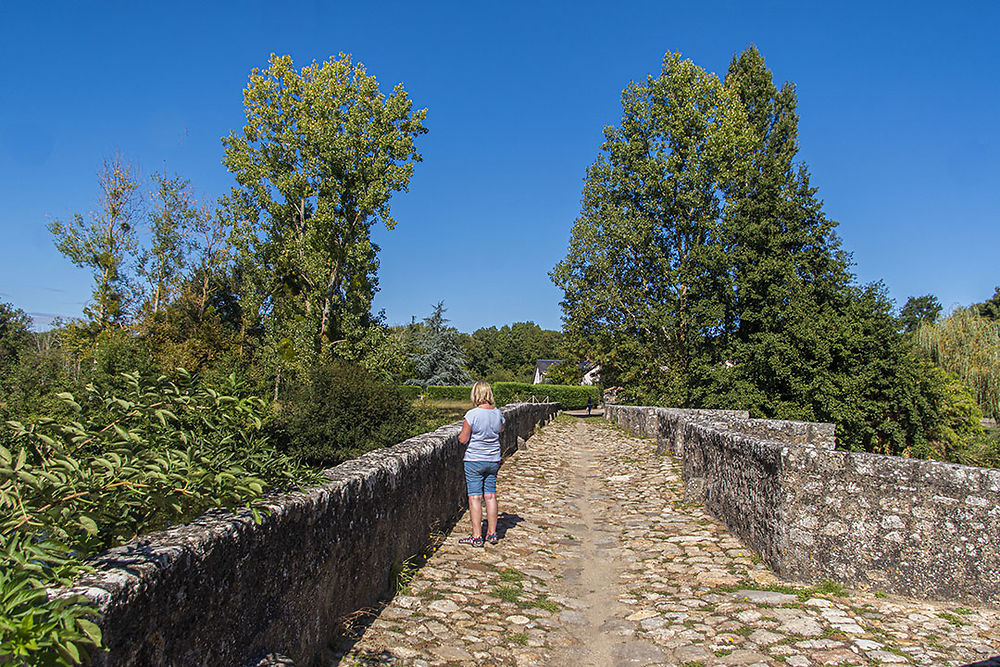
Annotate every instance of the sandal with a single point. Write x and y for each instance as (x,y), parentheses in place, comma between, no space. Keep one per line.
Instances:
(472,541)
(492,538)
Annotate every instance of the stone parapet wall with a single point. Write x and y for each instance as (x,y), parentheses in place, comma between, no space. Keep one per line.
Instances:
(223,590)
(813,434)
(665,424)
(914,527)
(924,528)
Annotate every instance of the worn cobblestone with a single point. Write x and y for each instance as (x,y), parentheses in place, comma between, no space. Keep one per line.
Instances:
(603,562)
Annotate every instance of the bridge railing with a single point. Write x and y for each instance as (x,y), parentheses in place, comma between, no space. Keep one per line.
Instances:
(224,590)
(914,527)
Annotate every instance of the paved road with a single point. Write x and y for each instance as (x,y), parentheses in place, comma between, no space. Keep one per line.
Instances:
(602,562)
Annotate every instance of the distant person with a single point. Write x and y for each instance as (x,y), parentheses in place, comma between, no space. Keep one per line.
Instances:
(481,429)
(590,404)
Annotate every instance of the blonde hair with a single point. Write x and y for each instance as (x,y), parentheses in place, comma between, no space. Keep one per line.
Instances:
(482,393)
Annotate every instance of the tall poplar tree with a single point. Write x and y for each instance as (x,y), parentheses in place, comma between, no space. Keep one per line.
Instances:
(162,264)
(320,155)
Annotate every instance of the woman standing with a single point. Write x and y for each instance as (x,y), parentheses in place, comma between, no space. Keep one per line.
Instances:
(481,429)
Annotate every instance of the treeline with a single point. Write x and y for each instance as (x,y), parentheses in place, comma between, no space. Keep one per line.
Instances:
(703,272)
(442,355)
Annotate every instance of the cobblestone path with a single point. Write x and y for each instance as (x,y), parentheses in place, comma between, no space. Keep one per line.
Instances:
(602,562)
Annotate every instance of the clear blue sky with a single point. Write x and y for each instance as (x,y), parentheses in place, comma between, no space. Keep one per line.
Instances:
(898,104)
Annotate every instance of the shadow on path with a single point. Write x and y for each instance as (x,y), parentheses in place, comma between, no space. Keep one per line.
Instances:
(505,522)
(354,626)
(595,413)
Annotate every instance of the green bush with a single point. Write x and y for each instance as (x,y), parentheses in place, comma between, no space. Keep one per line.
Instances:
(127,462)
(341,413)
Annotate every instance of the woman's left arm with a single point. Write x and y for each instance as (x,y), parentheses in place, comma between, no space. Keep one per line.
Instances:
(466,433)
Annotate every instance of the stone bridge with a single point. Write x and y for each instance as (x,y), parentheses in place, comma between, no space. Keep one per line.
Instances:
(672,538)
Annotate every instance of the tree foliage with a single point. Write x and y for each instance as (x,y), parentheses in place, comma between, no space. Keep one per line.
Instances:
(968,344)
(919,310)
(642,278)
(15,336)
(320,156)
(509,353)
(162,263)
(564,372)
(990,309)
(440,360)
(340,413)
(105,242)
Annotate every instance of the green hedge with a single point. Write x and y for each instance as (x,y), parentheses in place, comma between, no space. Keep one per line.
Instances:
(410,391)
(441,393)
(570,397)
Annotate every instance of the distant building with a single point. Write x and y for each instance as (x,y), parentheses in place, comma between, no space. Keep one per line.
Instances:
(592,376)
(591,371)
(541,368)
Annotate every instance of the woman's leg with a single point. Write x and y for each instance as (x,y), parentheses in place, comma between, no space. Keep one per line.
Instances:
(474,483)
(476,514)
(490,494)
(492,511)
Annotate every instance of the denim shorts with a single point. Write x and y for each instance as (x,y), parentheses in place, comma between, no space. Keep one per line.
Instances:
(481,477)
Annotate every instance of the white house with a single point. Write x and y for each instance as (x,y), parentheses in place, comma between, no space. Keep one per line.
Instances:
(591,371)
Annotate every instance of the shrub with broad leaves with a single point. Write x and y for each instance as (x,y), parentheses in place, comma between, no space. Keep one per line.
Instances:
(158,454)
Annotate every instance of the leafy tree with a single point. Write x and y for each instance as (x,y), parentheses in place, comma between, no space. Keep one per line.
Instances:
(15,334)
(320,156)
(565,372)
(340,412)
(991,309)
(441,361)
(957,435)
(32,370)
(919,310)
(967,344)
(163,263)
(187,334)
(105,242)
(643,280)
(509,353)
(379,351)
(15,342)
(211,254)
